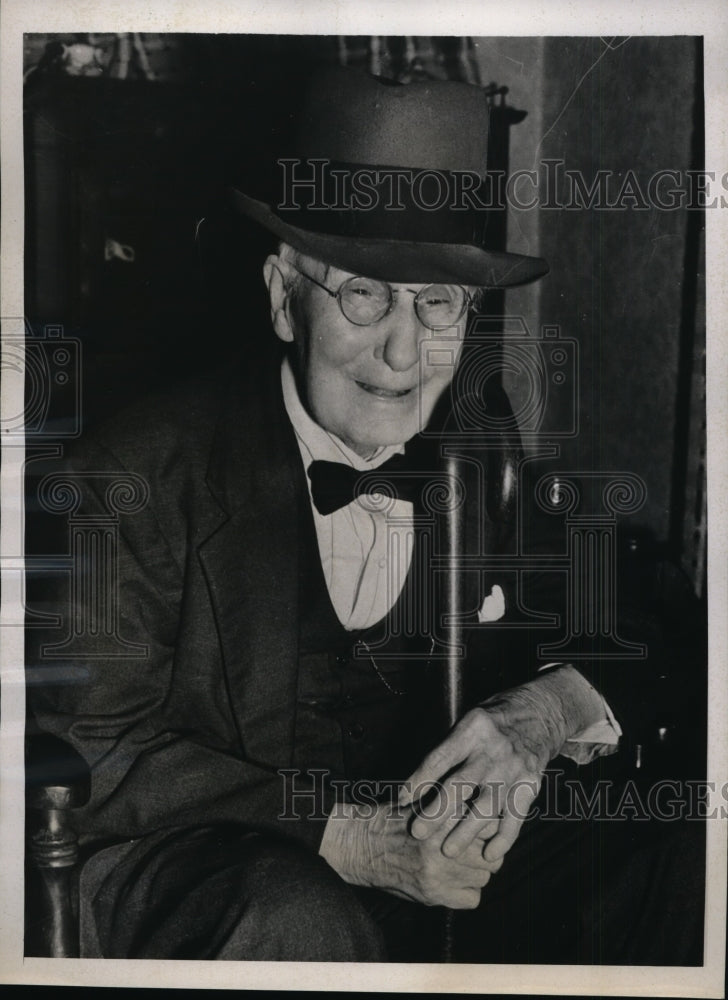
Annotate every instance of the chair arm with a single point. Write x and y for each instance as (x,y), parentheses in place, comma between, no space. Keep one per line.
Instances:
(57,781)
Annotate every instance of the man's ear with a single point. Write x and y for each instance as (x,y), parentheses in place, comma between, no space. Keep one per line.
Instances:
(273,274)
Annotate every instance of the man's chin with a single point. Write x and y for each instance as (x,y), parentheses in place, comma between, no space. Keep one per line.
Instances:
(371,431)
(399,434)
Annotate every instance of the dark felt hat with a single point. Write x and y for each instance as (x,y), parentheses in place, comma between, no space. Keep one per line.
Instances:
(389,180)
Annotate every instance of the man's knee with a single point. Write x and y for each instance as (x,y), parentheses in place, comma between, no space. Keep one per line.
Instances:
(299,909)
(229,893)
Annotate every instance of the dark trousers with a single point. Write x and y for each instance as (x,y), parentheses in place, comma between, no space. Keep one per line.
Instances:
(570,892)
(593,892)
(224,892)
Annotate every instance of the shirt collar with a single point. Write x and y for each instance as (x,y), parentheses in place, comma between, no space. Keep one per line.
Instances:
(318,444)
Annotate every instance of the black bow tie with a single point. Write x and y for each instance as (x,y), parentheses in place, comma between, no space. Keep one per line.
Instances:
(334,485)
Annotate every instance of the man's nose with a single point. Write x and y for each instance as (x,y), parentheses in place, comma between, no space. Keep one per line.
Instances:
(402,333)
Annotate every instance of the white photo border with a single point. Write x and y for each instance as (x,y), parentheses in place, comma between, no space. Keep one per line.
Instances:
(520,17)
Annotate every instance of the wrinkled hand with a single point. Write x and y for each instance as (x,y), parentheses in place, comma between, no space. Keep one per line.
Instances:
(374,847)
(488,772)
(486,775)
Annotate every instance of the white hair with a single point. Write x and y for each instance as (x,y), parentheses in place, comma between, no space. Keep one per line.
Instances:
(300,261)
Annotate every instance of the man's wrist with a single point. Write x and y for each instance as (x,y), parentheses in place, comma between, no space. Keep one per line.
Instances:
(344,843)
(548,711)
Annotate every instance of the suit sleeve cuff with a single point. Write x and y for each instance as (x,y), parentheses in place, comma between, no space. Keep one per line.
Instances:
(596,740)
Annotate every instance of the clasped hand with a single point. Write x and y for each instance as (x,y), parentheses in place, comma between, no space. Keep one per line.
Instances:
(441,848)
(487,774)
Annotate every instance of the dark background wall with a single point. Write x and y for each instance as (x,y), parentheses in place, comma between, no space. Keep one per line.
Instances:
(626,284)
(135,163)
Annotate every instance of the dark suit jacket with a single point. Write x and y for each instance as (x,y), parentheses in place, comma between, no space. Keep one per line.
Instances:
(196,730)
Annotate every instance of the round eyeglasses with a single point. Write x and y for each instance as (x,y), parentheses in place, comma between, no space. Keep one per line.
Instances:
(364,301)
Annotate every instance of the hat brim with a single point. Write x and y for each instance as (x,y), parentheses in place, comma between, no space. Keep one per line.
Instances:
(397,260)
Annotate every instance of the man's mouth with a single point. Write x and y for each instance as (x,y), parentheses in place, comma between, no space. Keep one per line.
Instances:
(376,390)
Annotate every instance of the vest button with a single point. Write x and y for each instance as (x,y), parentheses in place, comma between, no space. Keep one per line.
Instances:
(356,731)
(341,660)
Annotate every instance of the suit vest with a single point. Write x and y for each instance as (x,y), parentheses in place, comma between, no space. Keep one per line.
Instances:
(361,708)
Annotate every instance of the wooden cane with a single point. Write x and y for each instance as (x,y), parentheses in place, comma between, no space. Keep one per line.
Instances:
(451,610)
(500,510)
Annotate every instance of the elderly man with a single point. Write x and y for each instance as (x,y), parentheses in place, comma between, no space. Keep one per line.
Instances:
(225,818)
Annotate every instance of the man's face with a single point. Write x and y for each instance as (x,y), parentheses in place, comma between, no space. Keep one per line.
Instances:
(370,385)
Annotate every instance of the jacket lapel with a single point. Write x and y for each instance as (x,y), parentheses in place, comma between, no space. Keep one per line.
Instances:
(251,564)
